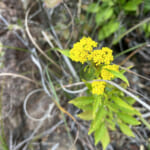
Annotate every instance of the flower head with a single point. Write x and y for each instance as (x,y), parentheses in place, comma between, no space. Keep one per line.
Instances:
(82,49)
(107,54)
(98,87)
(106,75)
(102,56)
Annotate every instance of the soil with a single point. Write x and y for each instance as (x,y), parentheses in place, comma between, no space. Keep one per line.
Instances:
(15,89)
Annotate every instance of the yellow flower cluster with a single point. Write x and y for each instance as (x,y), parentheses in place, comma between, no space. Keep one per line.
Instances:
(81,50)
(98,87)
(103,56)
(106,75)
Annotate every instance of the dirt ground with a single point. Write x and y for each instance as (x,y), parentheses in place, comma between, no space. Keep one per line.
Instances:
(15,88)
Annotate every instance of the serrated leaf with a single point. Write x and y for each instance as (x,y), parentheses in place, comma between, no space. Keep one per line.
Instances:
(111,125)
(116,108)
(100,116)
(126,130)
(119,75)
(99,133)
(128,119)
(93,8)
(96,103)
(86,115)
(102,135)
(105,141)
(121,103)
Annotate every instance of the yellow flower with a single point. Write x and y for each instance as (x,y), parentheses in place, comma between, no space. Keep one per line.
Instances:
(98,87)
(82,49)
(108,57)
(101,56)
(106,75)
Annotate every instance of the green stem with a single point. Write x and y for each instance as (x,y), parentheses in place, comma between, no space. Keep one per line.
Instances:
(115,41)
(130,49)
(57,100)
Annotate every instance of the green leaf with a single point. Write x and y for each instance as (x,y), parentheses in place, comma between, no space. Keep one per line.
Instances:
(118,108)
(128,119)
(86,115)
(99,133)
(93,8)
(108,29)
(132,5)
(130,100)
(146,28)
(82,101)
(122,2)
(122,103)
(109,2)
(119,75)
(111,125)
(126,130)
(102,135)
(105,141)
(65,52)
(114,108)
(85,107)
(146,6)
(103,15)
(100,116)
(96,103)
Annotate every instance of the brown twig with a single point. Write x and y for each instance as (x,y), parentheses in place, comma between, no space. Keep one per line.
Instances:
(131,55)
(139,75)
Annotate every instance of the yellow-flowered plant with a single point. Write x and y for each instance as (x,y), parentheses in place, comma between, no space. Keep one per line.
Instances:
(83,52)
(104,105)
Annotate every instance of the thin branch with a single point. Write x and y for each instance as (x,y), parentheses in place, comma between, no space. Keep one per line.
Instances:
(72,92)
(117,86)
(34,43)
(46,115)
(18,76)
(139,75)
(130,94)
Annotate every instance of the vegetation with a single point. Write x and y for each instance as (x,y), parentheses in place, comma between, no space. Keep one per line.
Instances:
(63,54)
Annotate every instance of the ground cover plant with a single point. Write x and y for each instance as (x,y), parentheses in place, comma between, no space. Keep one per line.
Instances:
(107,105)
